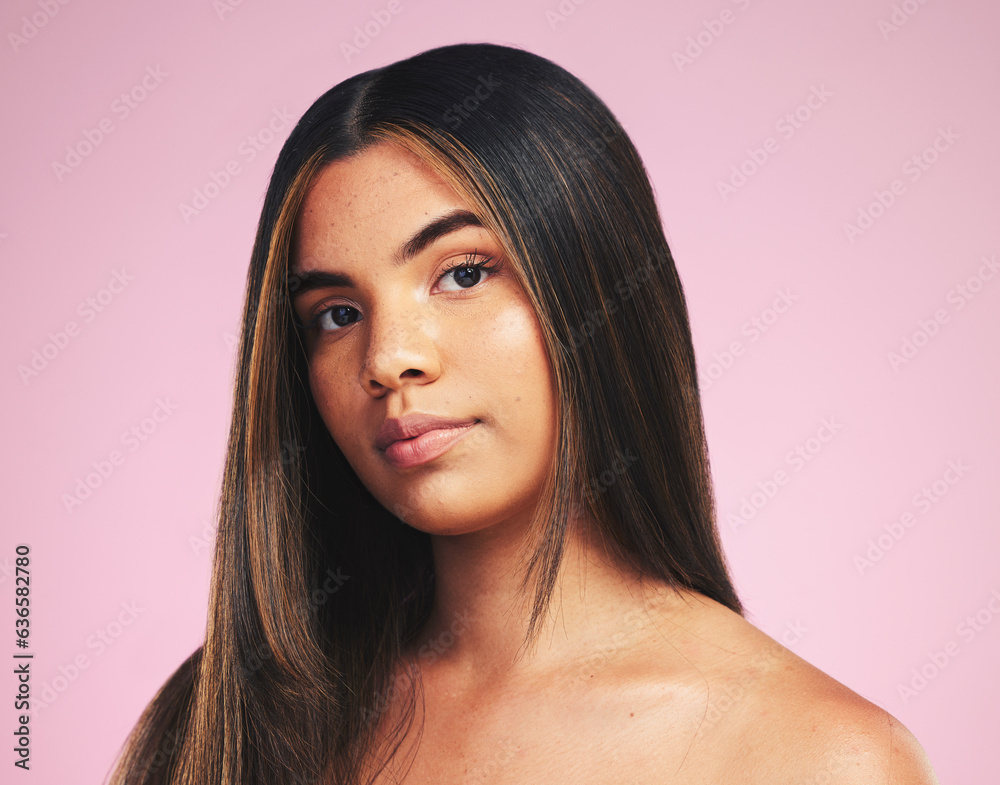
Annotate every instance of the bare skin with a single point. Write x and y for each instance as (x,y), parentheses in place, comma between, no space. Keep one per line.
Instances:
(627,682)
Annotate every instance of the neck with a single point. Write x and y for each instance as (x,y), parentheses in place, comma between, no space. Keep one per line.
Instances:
(480,616)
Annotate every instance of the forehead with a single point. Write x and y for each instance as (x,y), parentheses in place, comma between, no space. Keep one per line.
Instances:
(376,195)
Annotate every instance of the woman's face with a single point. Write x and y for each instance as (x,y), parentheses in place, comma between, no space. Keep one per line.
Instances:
(393,337)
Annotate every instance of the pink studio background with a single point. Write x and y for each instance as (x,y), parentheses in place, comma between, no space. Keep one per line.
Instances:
(822,554)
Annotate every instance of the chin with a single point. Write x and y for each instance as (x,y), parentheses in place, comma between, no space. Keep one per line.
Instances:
(444,519)
(442,524)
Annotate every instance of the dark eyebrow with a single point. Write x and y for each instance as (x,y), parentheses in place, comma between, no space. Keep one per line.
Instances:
(436,229)
(300,283)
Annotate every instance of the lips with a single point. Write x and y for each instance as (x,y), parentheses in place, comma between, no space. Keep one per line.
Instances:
(405,453)
(414,425)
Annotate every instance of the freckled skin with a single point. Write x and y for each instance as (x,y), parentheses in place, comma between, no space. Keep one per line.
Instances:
(424,345)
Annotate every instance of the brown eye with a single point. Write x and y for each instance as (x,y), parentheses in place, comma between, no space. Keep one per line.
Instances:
(468,274)
(333,318)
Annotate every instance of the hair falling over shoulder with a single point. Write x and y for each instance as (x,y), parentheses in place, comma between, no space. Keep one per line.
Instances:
(316,588)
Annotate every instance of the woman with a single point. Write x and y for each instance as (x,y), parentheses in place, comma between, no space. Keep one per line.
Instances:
(467,528)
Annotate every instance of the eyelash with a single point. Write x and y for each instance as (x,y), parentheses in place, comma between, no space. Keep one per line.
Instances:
(489,264)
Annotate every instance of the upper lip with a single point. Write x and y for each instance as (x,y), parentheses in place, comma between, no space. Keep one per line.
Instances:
(414,424)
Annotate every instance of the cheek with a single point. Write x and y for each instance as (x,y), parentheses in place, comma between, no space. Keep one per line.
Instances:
(501,342)
(329,393)
(519,365)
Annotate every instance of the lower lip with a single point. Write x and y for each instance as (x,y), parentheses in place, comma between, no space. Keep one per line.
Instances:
(426,447)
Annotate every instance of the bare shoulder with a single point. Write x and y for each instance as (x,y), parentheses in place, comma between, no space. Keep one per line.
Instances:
(769,716)
(811,729)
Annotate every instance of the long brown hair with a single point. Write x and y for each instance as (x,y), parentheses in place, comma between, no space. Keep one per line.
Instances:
(316,588)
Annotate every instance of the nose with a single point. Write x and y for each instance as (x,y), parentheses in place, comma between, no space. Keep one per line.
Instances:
(402,349)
